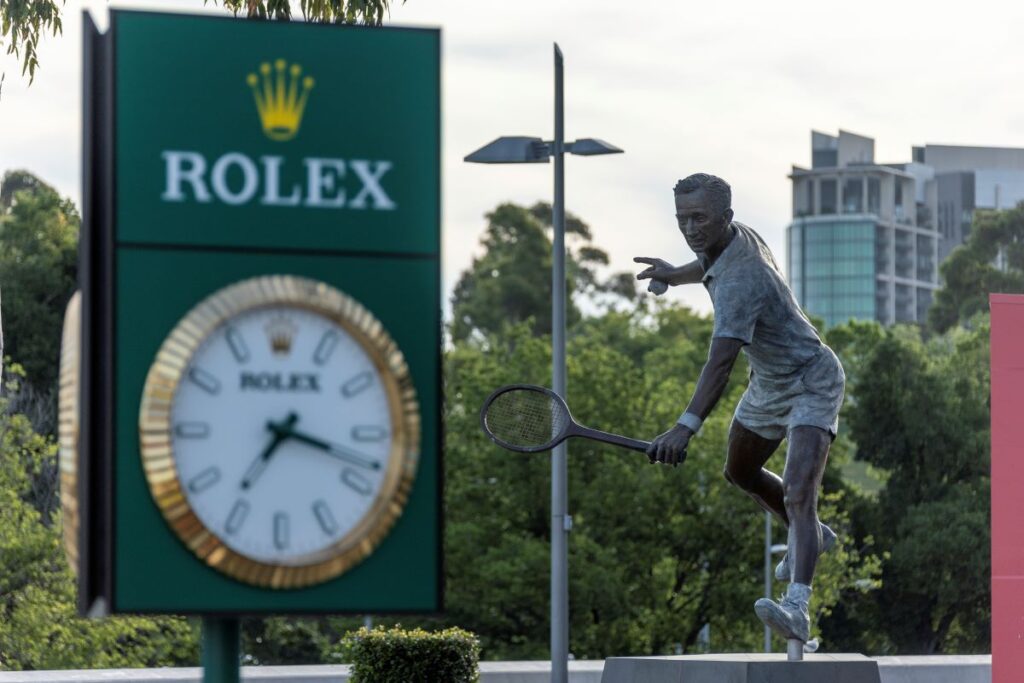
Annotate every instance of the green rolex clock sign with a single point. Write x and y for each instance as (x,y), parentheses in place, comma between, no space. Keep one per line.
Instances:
(258,387)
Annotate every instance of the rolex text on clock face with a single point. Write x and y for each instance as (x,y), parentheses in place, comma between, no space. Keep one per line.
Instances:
(281,432)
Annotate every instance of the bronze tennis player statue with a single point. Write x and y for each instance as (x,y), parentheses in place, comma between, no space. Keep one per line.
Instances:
(795,390)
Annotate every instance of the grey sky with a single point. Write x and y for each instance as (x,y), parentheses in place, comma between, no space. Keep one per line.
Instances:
(730,88)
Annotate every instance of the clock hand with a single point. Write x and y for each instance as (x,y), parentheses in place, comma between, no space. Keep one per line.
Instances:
(340,452)
(261,461)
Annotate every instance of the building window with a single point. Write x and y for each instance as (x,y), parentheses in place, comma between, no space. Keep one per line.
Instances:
(828,196)
(925,258)
(853,195)
(898,211)
(906,308)
(905,254)
(883,254)
(874,195)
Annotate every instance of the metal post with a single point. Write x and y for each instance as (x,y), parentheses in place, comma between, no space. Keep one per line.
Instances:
(220,650)
(560,520)
(767,573)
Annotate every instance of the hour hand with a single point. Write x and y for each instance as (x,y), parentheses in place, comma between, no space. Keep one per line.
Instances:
(260,463)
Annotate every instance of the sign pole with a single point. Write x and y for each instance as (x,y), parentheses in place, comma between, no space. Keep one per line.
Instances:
(220,650)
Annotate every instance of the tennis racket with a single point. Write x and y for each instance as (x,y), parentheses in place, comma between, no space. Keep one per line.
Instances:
(527,419)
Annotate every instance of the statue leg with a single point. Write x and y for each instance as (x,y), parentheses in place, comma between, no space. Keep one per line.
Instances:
(805,465)
(744,468)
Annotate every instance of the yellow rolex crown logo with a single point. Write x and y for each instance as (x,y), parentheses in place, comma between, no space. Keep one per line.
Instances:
(281,332)
(281,92)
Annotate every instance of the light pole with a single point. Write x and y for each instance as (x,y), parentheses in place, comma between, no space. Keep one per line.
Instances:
(769,551)
(520,150)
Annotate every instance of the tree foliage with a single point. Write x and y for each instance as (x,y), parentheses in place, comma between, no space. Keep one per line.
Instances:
(38,274)
(23,23)
(991,260)
(369,12)
(38,625)
(511,281)
(656,553)
(920,412)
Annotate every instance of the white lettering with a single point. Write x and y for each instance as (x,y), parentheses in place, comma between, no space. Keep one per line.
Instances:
(250,178)
(370,174)
(177,173)
(236,179)
(272,184)
(320,180)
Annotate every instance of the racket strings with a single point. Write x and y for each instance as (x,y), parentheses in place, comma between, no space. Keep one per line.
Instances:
(525,418)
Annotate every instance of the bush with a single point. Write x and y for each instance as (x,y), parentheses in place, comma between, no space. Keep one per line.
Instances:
(417,656)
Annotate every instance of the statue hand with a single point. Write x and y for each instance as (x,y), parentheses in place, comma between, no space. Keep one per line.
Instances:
(670,447)
(660,273)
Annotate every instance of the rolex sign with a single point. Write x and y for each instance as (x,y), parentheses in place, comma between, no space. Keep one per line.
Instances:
(258,376)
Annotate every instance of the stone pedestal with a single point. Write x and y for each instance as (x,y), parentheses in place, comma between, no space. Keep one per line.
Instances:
(742,668)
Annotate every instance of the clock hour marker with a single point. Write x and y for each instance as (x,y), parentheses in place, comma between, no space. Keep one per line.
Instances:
(280,530)
(204,480)
(356,384)
(326,347)
(204,380)
(192,430)
(237,344)
(325,517)
(237,517)
(368,433)
(356,481)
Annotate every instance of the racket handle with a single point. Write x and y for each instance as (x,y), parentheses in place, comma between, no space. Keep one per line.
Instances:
(614,439)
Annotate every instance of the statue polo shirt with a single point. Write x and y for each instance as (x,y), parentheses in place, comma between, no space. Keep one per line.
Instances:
(794,378)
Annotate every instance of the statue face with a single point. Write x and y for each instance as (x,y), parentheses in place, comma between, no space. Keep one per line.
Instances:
(703,229)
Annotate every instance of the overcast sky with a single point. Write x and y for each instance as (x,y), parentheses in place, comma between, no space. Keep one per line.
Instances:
(731,88)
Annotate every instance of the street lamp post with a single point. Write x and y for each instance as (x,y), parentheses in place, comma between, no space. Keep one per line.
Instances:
(519,150)
(769,551)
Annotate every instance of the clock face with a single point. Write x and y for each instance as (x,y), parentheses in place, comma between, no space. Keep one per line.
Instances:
(281,433)
(284,417)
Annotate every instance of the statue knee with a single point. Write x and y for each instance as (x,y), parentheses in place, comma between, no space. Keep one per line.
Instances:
(795,496)
(738,478)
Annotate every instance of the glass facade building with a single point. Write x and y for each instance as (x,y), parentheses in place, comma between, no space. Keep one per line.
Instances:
(832,268)
(861,244)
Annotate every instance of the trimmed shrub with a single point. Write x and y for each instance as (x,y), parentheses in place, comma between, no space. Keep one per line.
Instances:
(415,656)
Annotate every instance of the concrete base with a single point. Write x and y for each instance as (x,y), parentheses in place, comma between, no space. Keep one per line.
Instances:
(741,668)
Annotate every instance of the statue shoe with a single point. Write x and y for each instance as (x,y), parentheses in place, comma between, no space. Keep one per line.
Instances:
(828,541)
(788,618)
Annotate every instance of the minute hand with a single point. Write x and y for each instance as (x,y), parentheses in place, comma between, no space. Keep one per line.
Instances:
(340,452)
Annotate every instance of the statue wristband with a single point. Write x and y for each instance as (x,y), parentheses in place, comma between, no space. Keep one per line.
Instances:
(690,421)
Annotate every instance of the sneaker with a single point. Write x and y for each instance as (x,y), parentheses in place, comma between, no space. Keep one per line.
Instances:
(788,617)
(828,541)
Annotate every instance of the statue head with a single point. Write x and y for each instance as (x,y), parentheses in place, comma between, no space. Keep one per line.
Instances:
(704,211)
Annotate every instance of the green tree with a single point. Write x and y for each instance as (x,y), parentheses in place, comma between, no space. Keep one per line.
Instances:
(370,12)
(656,553)
(920,412)
(511,281)
(23,23)
(38,271)
(38,625)
(991,260)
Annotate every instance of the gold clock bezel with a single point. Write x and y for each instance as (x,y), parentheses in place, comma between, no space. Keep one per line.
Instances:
(68,417)
(156,444)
